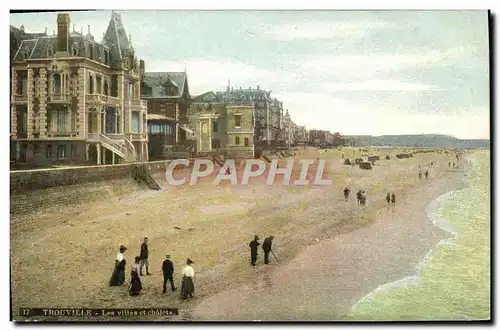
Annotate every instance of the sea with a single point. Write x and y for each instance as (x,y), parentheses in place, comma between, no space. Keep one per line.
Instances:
(452,281)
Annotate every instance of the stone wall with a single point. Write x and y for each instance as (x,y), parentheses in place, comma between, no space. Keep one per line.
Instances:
(60,190)
(29,180)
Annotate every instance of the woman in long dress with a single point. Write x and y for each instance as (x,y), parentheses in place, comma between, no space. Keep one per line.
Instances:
(187,280)
(118,276)
(135,280)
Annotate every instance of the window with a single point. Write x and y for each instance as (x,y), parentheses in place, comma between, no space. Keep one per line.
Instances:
(24,86)
(106,90)
(99,84)
(135,122)
(215,143)
(57,83)
(48,152)
(91,84)
(106,57)
(22,122)
(73,151)
(36,149)
(58,121)
(246,142)
(237,120)
(61,152)
(73,121)
(215,126)
(236,140)
(131,91)
(114,86)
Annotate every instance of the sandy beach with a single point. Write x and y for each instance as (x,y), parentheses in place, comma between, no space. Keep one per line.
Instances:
(331,252)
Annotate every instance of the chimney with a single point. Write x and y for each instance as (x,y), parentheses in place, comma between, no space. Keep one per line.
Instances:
(74,28)
(142,68)
(88,27)
(258,87)
(63,32)
(22,28)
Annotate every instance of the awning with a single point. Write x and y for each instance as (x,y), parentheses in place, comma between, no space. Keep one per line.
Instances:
(151,117)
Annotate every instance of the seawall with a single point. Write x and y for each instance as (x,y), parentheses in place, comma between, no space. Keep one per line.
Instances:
(54,190)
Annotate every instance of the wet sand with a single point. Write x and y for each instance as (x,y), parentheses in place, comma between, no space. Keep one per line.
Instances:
(71,256)
(326,279)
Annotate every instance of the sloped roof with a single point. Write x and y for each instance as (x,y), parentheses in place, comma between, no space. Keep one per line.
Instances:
(116,39)
(206,97)
(157,80)
(38,47)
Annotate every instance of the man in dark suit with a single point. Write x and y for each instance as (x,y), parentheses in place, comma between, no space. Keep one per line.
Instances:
(253,250)
(168,272)
(144,256)
(267,247)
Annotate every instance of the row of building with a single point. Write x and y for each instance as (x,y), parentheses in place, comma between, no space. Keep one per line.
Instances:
(79,101)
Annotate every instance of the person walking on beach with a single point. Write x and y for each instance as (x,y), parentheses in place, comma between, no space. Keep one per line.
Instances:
(426,174)
(267,247)
(359,195)
(449,164)
(363,198)
(187,288)
(144,256)
(346,193)
(393,199)
(420,174)
(118,276)
(135,281)
(388,199)
(254,244)
(168,274)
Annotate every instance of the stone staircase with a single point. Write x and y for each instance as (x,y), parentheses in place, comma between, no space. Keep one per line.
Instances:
(116,143)
(142,173)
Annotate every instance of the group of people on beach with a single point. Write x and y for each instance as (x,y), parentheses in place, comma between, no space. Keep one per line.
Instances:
(266,247)
(141,261)
(360,196)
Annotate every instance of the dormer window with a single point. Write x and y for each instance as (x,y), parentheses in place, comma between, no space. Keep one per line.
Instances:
(74,49)
(26,53)
(50,51)
(106,57)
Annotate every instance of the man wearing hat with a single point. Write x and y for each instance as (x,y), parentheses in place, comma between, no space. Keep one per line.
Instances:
(168,271)
(144,256)
(267,248)
(253,249)
(118,276)
(187,280)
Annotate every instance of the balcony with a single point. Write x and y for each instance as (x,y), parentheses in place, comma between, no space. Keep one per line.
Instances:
(67,134)
(142,104)
(59,98)
(112,101)
(20,98)
(138,136)
(103,100)
(92,137)
(96,98)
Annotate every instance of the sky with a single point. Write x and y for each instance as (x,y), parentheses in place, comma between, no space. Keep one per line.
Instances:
(353,72)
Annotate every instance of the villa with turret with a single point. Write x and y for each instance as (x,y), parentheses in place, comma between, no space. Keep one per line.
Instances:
(77,101)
